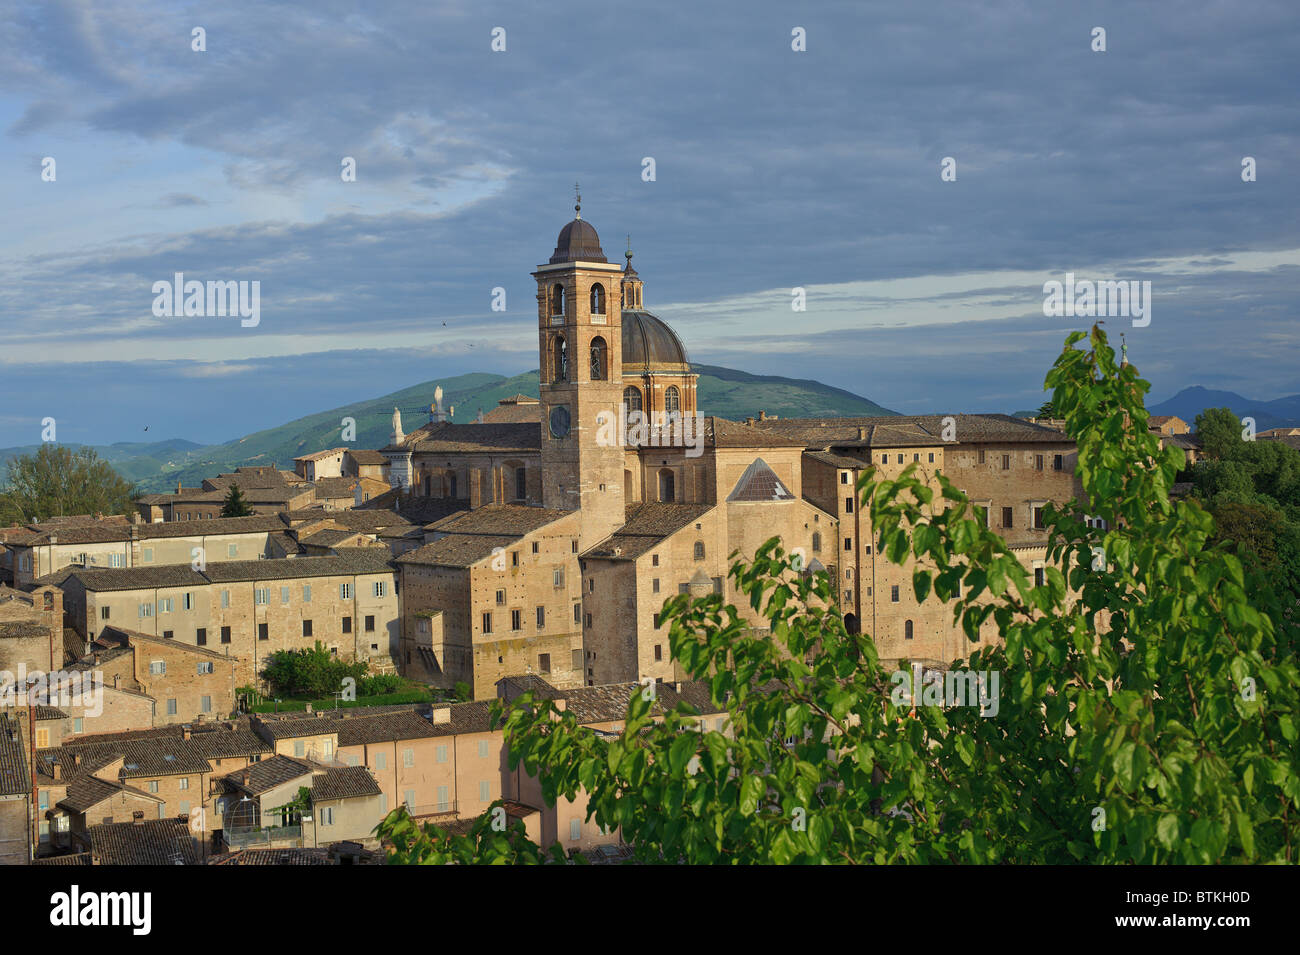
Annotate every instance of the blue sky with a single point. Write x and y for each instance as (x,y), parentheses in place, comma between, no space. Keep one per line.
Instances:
(774,169)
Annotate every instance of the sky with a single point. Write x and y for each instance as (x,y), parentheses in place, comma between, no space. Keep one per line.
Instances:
(773,169)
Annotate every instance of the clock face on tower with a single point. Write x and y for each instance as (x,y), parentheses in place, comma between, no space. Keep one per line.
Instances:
(559,421)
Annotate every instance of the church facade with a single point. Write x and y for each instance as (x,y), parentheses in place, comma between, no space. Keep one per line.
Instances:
(559,526)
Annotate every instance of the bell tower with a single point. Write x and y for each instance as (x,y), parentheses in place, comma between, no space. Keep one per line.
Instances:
(580,350)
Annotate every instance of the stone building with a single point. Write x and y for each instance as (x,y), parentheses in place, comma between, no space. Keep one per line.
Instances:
(660,497)
(348,602)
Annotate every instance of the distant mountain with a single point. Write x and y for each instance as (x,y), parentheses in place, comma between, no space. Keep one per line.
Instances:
(1188,403)
(725,392)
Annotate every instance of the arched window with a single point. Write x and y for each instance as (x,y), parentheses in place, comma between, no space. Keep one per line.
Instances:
(598,299)
(817,542)
(631,399)
(560,359)
(672,399)
(599,370)
(666,490)
(521,483)
(557,299)
(699,550)
(907,630)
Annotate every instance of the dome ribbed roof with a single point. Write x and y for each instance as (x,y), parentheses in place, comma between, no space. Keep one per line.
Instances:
(578,242)
(650,345)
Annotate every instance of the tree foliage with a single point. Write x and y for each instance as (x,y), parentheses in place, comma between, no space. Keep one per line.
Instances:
(57,481)
(1147,714)
(317,673)
(235,505)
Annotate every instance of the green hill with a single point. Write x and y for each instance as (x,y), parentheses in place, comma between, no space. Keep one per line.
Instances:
(722,391)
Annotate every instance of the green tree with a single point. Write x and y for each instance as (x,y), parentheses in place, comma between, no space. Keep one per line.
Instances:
(1147,710)
(57,481)
(235,505)
(1047,410)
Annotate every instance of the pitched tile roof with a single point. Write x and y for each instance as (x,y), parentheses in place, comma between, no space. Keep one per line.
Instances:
(85,792)
(71,858)
(447,437)
(343,783)
(907,431)
(456,550)
(357,561)
(152,842)
(321,455)
(499,519)
(267,774)
(366,456)
(647,525)
(14,779)
(276,857)
(335,487)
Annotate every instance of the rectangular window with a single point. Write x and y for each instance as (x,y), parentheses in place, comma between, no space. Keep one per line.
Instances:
(1006,516)
(577,613)
(262,596)
(900,459)
(654,560)
(168,634)
(204,666)
(381,761)
(408,758)
(484,749)
(485,791)
(541,618)
(306,593)
(233,550)
(306,628)
(347,624)
(575,829)
(441,753)
(183,782)
(225,634)
(516,619)
(557,577)
(187,601)
(383,804)
(114,560)
(1058,462)
(327,815)
(659,652)
(42,739)
(148,555)
(844,477)
(299,748)
(103,613)
(501,598)
(165,604)
(514,558)
(589,621)
(443,802)
(158,668)
(284,596)
(201,636)
(225,599)
(171,707)
(1038,462)
(78,724)
(1040,577)
(893,594)
(1006,462)
(576,659)
(262,632)
(654,585)
(544,662)
(981,456)
(409,798)
(370,623)
(487,623)
(848,505)
(848,543)
(153,785)
(1040,522)
(534,542)
(381,588)
(345,591)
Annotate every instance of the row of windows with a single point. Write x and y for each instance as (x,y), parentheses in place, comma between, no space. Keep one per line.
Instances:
(261,597)
(517,616)
(596,299)
(1058,461)
(263,633)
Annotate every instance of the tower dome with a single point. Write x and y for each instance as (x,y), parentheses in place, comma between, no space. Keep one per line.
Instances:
(650,345)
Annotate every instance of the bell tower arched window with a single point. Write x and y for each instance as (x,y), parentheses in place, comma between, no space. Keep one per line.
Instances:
(560,359)
(598,299)
(907,630)
(557,299)
(672,399)
(599,368)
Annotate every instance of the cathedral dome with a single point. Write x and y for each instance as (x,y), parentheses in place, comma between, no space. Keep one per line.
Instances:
(578,242)
(649,345)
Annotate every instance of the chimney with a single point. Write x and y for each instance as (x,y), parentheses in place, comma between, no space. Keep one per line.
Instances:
(186,731)
(243,777)
(137,818)
(750,422)
(136,518)
(762,416)
(308,707)
(862,434)
(441,714)
(57,770)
